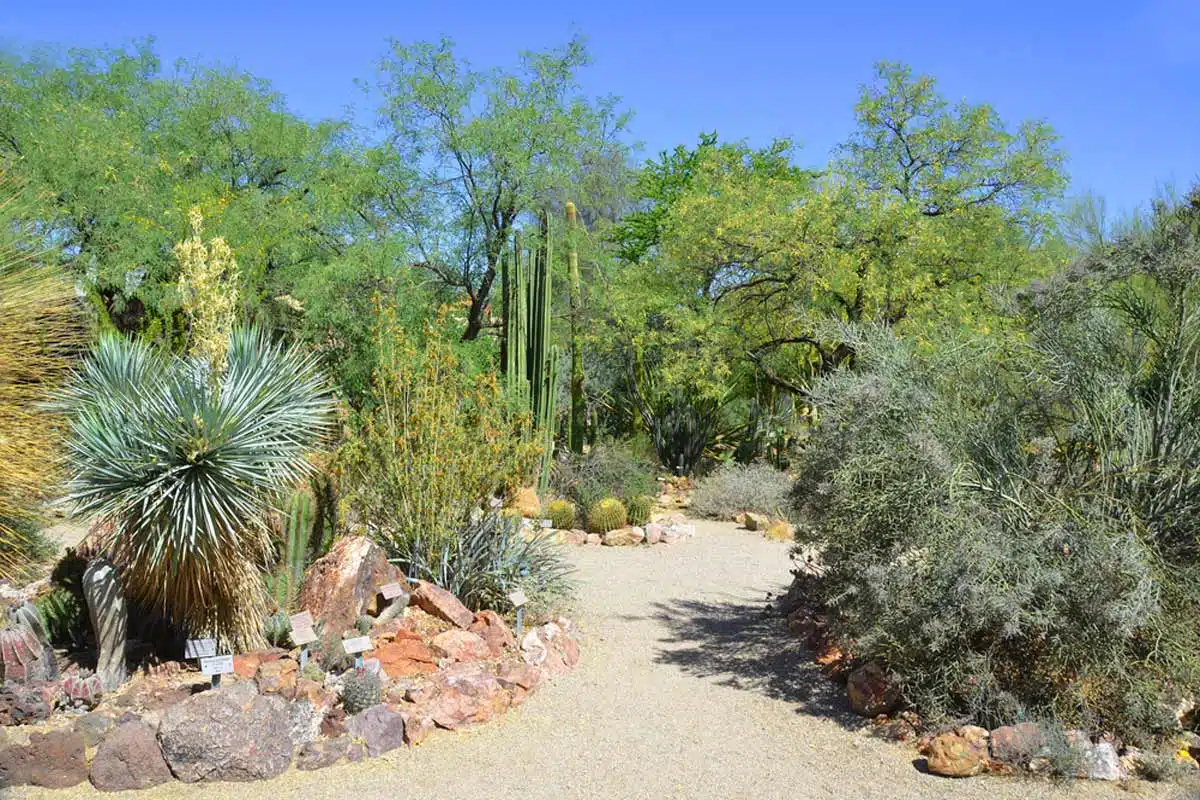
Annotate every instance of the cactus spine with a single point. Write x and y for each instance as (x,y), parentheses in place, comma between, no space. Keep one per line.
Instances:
(531,363)
(578,422)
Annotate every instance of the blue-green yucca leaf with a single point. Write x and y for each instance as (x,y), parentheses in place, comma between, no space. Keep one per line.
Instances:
(187,464)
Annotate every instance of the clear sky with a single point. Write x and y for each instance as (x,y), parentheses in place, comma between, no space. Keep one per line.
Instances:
(1119,81)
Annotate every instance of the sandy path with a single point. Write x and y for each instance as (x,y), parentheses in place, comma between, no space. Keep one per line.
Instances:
(685,691)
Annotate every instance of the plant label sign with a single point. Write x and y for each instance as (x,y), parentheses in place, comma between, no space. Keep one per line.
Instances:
(302,636)
(302,620)
(517,598)
(359,644)
(391,591)
(216,665)
(199,648)
(547,523)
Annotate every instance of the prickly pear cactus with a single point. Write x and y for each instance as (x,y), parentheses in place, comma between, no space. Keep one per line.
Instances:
(25,654)
(110,620)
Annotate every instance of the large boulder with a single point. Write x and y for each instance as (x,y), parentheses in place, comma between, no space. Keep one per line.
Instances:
(55,760)
(955,755)
(871,691)
(344,584)
(379,728)
(129,758)
(460,646)
(231,734)
(624,537)
(436,601)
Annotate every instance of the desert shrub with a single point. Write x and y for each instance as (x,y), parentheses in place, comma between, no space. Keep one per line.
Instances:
(487,560)
(966,551)
(607,515)
(562,514)
(608,470)
(735,488)
(639,508)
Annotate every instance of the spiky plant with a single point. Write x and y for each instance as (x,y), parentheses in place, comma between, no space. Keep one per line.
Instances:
(40,327)
(607,515)
(562,514)
(361,689)
(639,507)
(187,462)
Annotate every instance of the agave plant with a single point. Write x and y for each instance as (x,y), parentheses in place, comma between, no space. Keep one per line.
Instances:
(187,461)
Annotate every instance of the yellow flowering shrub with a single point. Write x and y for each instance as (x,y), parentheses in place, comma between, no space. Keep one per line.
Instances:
(208,284)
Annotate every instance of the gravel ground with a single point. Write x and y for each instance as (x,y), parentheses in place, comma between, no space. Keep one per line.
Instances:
(685,690)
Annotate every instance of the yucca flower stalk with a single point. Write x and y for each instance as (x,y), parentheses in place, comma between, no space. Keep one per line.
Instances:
(187,461)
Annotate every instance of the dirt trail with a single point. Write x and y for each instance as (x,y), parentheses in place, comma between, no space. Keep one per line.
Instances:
(685,691)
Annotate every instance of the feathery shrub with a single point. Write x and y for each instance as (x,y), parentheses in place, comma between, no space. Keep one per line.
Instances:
(736,488)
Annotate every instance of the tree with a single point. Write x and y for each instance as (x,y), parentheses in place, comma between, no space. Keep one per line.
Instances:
(488,149)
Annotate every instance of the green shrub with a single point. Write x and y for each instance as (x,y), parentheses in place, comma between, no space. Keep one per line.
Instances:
(488,560)
(733,489)
(639,508)
(609,470)
(607,515)
(562,514)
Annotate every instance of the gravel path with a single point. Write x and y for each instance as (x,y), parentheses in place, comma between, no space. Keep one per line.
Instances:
(685,690)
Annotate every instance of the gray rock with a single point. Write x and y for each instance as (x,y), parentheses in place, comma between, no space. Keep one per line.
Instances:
(305,721)
(129,758)
(379,728)
(55,760)
(93,726)
(22,705)
(325,753)
(1100,762)
(229,734)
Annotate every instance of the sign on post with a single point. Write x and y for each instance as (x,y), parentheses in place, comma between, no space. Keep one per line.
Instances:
(517,598)
(359,644)
(391,591)
(199,648)
(215,666)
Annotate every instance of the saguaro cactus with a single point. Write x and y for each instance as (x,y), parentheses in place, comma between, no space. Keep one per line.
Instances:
(110,620)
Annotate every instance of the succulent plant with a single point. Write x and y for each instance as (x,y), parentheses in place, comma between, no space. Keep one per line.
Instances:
(607,515)
(562,514)
(360,690)
(639,509)
(25,653)
(312,671)
(364,624)
(85,690)
(276,629)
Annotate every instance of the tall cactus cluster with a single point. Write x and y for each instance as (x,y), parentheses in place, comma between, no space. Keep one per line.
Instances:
(531,362)
(299,521)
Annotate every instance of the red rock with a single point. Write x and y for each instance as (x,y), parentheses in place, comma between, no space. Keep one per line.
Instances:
(1017,744)
(871,692)
(55,760)
(245,665)
(491,627)
(417,726)
(344,584)
(435,600)
(956,756)
(129,758)
(403,657)
(460,646)
(467,694)
(278,677)
(519,680)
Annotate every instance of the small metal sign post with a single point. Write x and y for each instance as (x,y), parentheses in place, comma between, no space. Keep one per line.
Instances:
(356,647)
(518,599)
(211,664)
(302,634)
(391,591)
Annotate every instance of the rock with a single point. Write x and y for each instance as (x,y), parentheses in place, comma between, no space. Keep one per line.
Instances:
(245,665)
(403,657)
(624,537)
(956,756)
(974,734)
(526,502)
(757,522)
(93,727)
(228,734)
(22,705)
(325,753)
(278,677)
(355,752)
(379,728)
(110,620)
(129,758)
(1017,744)
(575,538)
(467,694)
(593,538)
(344,584)
(55,760)
(871,692)
(435,600)
(305,720)
(669,537)
(417,726)
(494,631)
(519,680)
(780,531)
(460,646)
(533,649)
(1100,762)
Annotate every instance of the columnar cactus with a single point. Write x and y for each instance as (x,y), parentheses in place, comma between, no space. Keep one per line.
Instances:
(110,620)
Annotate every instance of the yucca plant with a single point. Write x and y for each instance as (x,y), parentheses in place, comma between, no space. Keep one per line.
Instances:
(187,461)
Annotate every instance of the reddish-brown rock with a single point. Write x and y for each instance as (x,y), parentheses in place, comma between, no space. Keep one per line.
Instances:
(278,677)
(1017,744)
(491,627)
(417,725)
(519,680)
(955,755)
(871,691)
(55,760)
(344,584)
(460,646)
(245,665)
(435,600)
(129,758)
(403,657)
(467,693)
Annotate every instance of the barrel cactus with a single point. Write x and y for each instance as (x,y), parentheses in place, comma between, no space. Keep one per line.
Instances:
(639,509)
(360,690)
(562,514)
(608,515)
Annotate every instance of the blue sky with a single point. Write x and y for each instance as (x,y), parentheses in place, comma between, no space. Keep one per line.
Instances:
(1120,82)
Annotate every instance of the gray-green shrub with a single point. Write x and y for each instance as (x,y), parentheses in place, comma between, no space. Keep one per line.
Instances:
(735,488)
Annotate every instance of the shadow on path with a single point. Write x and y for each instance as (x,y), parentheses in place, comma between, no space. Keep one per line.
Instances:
(744,646)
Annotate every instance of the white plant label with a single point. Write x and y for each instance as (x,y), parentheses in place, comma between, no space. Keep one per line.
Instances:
(216,665)
(518,598)
(303,636)
(199,648)
(547,523)
(391,591)
(302,620)
(359,644)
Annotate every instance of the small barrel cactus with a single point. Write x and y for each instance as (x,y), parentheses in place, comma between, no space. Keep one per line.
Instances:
(83,691)
(639,509)
(360,690)
(313,672)
(276,628)
(562,514)
(363,624)
(607,515)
